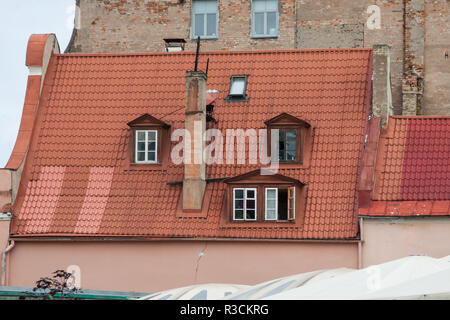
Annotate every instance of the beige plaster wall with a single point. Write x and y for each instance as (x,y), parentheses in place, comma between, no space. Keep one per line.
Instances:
(150,266)
(387,239)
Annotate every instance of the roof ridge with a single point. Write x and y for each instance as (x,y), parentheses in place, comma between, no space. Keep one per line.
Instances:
(216,52)
(422,117)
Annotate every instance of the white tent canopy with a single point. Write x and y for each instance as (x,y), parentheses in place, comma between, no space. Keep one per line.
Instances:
(412,277)
(210,291)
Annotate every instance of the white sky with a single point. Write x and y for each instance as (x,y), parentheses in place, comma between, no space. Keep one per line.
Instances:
(18,20)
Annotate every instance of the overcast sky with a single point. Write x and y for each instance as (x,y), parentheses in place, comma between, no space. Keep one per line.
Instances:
(18,20)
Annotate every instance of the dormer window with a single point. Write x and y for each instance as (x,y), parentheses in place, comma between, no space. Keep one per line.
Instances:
(287,145)
(238,87)
(294,139)
(280,203)
(244,203)
(253,197)
(149,141)
(146,146)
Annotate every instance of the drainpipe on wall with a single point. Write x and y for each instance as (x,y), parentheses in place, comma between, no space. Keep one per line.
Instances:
(4,252)
(360,243)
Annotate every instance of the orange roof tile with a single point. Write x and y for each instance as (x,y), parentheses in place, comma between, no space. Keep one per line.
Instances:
(74,183)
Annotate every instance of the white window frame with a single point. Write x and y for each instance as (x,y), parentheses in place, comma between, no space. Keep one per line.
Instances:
(205,21)
(293,200)
(146,146)
(265,35)
(276,204)
(245,204)
(292,188)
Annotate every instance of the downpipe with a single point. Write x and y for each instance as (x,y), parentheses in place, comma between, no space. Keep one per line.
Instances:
(4,252)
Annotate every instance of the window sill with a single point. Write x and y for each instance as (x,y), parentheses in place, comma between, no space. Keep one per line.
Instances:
(243,98)
(260,224)
(292,165)
(205,38)
(144,167)
(264,37)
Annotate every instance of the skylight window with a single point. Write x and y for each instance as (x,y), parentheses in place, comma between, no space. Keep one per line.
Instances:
(238,87)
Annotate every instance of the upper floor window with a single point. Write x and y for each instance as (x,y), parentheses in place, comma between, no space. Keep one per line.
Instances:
(146,146)
(204,19)
(287,145)
(264,18)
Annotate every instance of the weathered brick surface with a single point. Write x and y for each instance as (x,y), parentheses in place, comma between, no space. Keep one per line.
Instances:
(330,36)
(136,25)
(140,25)
(436,97)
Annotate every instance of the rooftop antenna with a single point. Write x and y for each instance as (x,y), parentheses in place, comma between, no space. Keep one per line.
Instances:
(196,54)
(207,67)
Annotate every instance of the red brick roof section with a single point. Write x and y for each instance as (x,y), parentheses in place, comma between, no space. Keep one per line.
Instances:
(412,175)
(75,182)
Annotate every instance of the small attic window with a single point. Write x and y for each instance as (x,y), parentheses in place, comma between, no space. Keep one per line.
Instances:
(148,141)
(238,88)
(294,139)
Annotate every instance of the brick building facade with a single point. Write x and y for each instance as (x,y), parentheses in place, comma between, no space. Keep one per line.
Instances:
(417,32)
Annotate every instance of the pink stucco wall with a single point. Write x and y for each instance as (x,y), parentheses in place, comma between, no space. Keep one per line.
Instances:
(150,266)
(387,239)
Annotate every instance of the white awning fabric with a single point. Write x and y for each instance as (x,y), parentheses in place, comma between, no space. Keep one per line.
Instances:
(412,277)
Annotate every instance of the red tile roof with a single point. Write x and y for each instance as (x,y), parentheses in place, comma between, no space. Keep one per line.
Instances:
(407,208)
(412,175)
(74,182)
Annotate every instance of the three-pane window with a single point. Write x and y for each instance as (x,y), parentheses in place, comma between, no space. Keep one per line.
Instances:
(244,203)
(146,146)
(265,18)
(204,18)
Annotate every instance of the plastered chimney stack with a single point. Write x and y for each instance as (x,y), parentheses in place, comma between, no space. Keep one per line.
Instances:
(195,124)
(381,82)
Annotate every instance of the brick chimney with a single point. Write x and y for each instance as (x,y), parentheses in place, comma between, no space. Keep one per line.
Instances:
(195,123)
(381,97)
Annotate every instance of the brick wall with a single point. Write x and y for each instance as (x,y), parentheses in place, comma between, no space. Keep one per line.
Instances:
(436,97)
(137,25)
(141,25)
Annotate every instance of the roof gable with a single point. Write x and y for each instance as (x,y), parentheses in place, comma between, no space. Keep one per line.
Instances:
(286,119)
(147,120)
(258,176)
